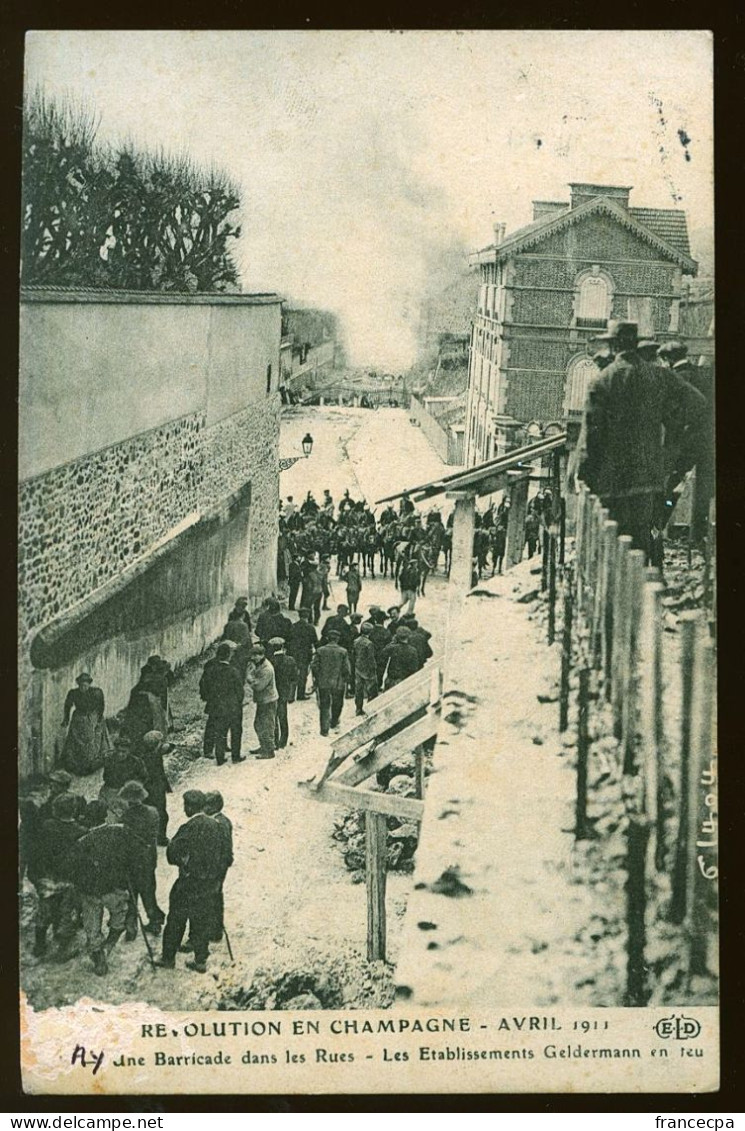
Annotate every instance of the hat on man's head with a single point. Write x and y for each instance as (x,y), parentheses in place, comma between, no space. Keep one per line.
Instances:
(402,634)
(343,609)
(277,642)
(619,331)
(356,618)
(60,777)
(334,635)
(394,609)
(152,740)
(84,677)
(133,791)
(65,806)
(366,627)
(673,351)
(242,601)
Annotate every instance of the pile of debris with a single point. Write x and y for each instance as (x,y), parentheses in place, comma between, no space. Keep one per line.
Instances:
(313,980)
(403,836)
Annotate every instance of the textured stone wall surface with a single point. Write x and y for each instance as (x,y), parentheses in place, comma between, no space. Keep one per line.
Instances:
(82,523)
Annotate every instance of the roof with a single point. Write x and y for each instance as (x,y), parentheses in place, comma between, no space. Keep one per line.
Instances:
(480,480)
(155,298)
(667,223)
(664,228)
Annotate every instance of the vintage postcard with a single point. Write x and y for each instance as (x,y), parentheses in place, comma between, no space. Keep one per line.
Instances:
(367,638)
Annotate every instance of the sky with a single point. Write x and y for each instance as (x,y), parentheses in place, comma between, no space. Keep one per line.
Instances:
(365,157)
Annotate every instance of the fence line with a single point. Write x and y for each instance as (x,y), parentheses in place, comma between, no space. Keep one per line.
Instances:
(612,632)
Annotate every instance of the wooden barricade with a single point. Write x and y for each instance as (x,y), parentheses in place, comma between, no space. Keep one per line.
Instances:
(613,632)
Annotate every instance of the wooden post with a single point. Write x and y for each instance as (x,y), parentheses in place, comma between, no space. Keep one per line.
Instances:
(551,587)
(544,558)
(562,529)
(702,809)
(610,534)
(578,543)
(566,650)
(419,771)
(634,582)
(516,519)
(620,629)
(637,836)
(581,825)
(679,894)
(376,844)
(598,605)
(649,715)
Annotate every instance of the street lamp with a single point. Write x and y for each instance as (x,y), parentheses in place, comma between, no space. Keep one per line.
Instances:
(307,445)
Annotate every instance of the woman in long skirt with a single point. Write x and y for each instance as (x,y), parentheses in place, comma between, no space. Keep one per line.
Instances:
(87,741)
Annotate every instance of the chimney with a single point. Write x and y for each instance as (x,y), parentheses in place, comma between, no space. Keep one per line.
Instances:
(581,193)
(552,208)
(499,230)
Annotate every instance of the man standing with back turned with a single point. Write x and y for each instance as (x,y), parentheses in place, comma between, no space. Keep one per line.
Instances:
(640,420)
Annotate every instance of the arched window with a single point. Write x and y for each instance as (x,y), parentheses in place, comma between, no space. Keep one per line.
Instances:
(579,374)
(593,298)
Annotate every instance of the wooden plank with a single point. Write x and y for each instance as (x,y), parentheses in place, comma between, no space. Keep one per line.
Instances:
(402,743)
(702,807)
(405,808)
(629,719)
(376,844)
(385,711)
(679,881)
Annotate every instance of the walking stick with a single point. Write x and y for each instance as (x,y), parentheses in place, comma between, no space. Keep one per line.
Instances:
(227,942)
(142,928)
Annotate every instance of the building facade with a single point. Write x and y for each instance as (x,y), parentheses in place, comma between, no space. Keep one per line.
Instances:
(547,289)
(149,485)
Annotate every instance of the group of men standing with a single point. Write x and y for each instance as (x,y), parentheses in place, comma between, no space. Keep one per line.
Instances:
(92,861)
(648,419)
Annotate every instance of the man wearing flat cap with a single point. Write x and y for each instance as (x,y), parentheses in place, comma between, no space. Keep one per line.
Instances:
(639,420)
(152,750)
(330,668)
(285,676)
(143,821)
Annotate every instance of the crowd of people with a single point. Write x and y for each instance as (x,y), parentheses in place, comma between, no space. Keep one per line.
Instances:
(94,861)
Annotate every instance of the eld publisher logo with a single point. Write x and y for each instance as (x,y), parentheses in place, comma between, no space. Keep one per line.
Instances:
(679,1028)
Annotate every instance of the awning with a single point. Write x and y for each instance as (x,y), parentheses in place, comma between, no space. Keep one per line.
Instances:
(485,477)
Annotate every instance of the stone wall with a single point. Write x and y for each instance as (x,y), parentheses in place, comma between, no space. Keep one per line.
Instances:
(94,529)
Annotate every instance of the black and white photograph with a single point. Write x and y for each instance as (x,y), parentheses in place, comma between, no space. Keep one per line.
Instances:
(367,562)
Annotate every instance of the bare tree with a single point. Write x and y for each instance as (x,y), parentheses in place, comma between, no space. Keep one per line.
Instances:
(94,215)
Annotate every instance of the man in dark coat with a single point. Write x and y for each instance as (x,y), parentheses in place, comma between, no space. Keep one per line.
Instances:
(701,377)
(107,864)
(401,659)
(273,623)
(380,637)
(639,420)
(121,766)
(236,630)
(312,591)
(365,668)
(285,676)
(408,581)
(419,638)
(338,623)
(213,805)
(241,608)
(301,646)
(221,687)
(200,852)
(153,749)
(143,821)
(330,668)
(50,872)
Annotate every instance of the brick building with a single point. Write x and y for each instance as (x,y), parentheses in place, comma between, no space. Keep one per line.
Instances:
(547,289)
(149,485)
